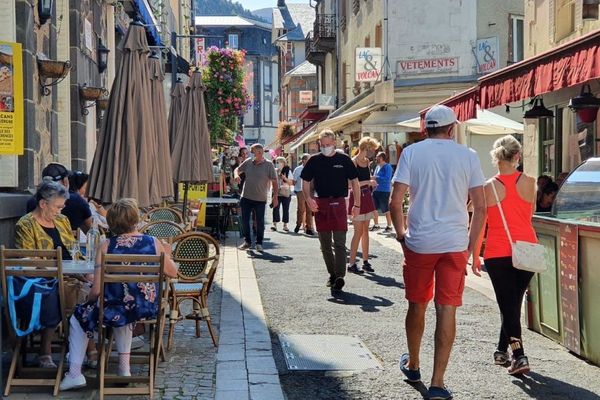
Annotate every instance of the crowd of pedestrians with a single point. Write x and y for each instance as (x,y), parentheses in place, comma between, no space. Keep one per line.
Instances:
(452,209)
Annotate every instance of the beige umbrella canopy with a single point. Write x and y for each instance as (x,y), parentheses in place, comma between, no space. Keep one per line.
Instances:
(191,155)
(124,158)
(177,96)
(159,114)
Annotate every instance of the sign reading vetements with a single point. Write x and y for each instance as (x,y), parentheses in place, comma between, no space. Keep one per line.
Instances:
(368,64)
(427,66)
(11,99)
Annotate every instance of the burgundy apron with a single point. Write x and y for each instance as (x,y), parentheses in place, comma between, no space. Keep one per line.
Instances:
(367,204)
(331,215)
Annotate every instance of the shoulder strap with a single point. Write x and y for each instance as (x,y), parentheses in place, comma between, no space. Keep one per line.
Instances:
(34,322)
(501,212)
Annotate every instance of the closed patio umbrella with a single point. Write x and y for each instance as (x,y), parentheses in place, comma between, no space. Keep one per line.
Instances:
(125,153)
(159,113)
(191,155)
(177,96)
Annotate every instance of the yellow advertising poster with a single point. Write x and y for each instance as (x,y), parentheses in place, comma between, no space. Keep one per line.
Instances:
(11,99)
(195,193)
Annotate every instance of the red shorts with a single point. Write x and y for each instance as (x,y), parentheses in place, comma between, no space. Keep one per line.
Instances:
(449,271)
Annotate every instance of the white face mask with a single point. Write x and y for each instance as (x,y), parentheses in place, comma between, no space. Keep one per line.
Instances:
(232,162)
(327,150)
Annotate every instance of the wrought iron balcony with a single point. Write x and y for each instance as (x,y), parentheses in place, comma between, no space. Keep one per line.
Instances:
(313,54)
(325,31)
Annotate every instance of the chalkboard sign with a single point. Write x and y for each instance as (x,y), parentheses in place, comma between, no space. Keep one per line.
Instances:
(569,290)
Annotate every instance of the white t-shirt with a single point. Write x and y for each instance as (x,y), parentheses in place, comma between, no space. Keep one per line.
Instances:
(439,173)
(296,177)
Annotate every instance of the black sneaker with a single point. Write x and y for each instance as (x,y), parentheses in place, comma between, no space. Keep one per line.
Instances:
(309,232)
(517,367)
(338,284)
(354,269)
(374,228)
(297,229)
(367,266)
(388,229)
(330,281)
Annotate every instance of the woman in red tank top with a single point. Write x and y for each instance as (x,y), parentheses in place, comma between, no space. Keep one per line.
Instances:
(517,195)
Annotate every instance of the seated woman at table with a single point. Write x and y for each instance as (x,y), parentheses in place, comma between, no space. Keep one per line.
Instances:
(45,228)
(123,218)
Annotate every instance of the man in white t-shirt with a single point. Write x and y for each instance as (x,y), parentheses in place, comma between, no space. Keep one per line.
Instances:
(304,216)
(442,175)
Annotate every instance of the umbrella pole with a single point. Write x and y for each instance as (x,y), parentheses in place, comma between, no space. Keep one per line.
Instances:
(185,196)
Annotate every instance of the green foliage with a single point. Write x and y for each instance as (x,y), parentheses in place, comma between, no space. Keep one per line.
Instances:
(226,95)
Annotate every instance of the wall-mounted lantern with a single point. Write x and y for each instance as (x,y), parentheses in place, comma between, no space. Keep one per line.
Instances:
(586,105)
(51,69)
(538,111)
(90,94)
(44,10)
(102,56)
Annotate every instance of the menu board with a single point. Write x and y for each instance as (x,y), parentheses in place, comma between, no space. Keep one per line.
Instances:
(569,291)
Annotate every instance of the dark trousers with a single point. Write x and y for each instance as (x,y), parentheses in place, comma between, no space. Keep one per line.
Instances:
(284,204)
(258,207)
(336,264)
(510,285)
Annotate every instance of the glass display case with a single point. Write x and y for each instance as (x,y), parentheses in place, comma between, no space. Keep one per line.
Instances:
(579,196)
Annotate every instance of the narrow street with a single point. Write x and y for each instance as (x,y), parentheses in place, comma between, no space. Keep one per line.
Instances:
(291,278)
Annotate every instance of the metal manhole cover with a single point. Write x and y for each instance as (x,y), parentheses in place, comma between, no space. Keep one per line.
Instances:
(326,353)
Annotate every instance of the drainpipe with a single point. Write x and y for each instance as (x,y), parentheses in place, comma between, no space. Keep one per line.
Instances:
(337,52)
(386,62)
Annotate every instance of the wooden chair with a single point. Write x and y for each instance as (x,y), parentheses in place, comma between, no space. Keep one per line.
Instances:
(197,256)
(37,264)
(162,229)
(164,214)
(117,268)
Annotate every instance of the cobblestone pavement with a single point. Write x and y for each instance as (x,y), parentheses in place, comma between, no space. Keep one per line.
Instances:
(291,278)
(187,374)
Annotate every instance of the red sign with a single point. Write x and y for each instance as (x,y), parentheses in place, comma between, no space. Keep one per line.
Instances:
(427,66)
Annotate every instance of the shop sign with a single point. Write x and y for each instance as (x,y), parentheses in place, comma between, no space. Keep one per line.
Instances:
(11,99)
(306,97)
(199,49)
(195,193)
(427,66)
(486,53)
(369,61)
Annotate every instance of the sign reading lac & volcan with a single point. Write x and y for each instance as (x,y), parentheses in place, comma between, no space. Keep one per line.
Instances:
(487,55)
(368,64)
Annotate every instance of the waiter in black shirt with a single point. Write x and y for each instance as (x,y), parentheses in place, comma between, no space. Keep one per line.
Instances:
(330,173)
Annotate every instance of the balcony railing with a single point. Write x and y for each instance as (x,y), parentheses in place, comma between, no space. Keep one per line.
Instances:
(324,26)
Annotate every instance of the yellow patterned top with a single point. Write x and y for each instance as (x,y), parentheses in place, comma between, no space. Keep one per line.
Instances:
(30,235)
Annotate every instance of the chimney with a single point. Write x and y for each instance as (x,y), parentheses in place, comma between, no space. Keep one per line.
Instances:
(281,3)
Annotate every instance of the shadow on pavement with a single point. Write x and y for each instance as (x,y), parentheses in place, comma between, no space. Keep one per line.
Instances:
(366,304)
(540,387)
(272,258)
(419,387)
(383,280)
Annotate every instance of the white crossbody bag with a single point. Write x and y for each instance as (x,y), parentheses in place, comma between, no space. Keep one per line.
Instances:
(526,256)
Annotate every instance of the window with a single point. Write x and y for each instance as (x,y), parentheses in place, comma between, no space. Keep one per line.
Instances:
(368,41)
(343,12)
(343,85)
(590,10)
(233,40)
(564,18)
(548,147)
(515,48)
(268,94)
(378,35)
(355,6)
(267,77)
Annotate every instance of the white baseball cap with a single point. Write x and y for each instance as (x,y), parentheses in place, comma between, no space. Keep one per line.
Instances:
(439,115)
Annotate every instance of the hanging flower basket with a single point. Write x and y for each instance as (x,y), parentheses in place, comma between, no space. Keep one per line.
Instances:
(53,69)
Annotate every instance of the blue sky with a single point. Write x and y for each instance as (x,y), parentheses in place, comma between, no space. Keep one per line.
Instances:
(257,4)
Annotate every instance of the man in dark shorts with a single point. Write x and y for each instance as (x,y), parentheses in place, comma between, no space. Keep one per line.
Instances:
(381,195)
(330,173)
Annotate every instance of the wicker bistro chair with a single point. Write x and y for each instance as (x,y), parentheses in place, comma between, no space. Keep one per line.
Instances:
(117,268)
(197,256)
(164,214)
(162,229)
(36,264)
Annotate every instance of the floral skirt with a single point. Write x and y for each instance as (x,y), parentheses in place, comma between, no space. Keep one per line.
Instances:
(124,303)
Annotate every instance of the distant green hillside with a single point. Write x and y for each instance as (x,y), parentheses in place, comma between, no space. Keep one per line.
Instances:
(223,7)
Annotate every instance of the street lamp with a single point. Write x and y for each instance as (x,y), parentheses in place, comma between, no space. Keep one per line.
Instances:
(102,56)
(538,111)
(586,105)
(44,10)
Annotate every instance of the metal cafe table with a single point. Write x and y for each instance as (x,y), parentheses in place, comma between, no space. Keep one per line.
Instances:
(224,204)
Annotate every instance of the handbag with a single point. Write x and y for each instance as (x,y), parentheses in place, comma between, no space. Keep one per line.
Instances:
(35,299)
(525,256)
